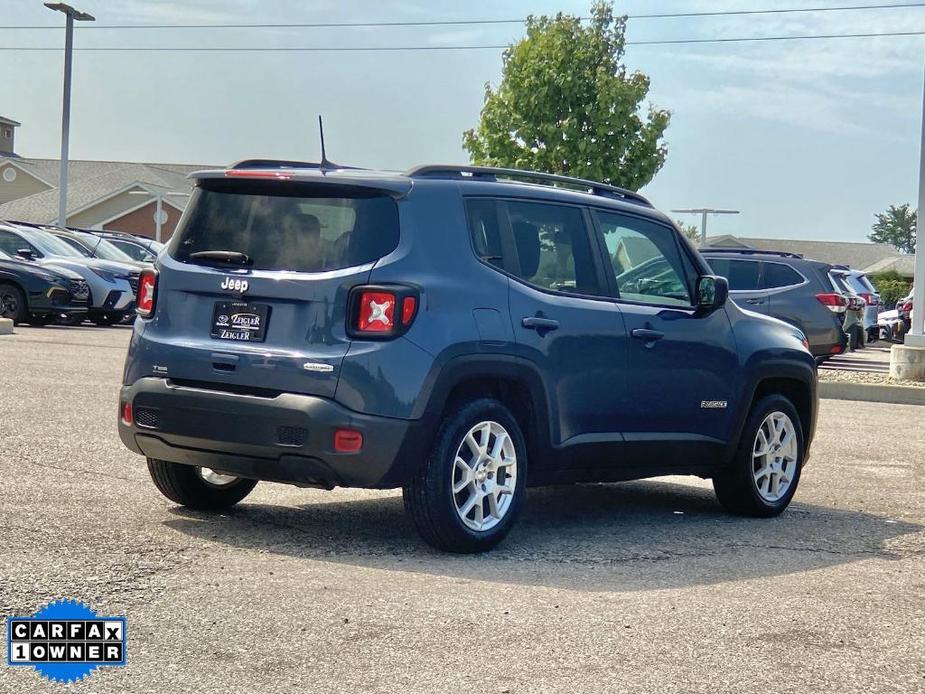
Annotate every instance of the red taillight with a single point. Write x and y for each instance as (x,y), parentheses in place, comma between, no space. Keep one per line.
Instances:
(251,173)
(348,441)
(408,307)
(834,302)
(126,411)
(381,311)
(377,312)
(837,349)
(869,299)
(147,293)
(907,307)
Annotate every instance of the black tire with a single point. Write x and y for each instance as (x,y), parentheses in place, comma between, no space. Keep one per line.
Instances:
(184,485)
(429,499)
(736,487)
(41,320)
(12,303)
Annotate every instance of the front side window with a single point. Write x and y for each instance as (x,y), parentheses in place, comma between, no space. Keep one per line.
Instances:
(11,243)
(296,227)
(553,248)
(646,261)
(742,275)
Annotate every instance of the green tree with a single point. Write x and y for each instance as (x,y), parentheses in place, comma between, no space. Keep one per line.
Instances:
(891,286)
(690,231)
(896,226)
(566,104)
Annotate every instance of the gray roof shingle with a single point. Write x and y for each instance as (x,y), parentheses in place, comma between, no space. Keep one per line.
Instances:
(92,181)
(852,253)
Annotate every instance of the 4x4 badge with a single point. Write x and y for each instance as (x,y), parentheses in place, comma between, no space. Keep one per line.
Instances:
(234,285)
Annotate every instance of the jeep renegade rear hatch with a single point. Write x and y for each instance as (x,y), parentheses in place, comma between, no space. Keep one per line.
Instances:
(257,278)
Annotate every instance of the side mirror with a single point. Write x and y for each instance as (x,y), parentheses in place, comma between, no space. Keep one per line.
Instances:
(25,253)
(712,292)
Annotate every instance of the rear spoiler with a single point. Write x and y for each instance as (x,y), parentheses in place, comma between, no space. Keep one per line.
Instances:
(395,185)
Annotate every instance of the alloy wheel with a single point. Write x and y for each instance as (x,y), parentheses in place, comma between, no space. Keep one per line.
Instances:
(9,305)
(216,479)
(774,456)
(484,476)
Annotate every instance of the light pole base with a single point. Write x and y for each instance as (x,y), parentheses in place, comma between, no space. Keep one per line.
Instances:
(6,326)
(907,362)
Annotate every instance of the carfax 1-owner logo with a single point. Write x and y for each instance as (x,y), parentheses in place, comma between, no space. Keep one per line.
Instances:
(66,641)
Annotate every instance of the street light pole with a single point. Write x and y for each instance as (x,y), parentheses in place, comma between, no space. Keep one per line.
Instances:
(703,212)
(916,338)
(71,14)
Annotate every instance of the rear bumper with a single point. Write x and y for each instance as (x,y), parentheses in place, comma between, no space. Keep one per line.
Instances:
(288,438)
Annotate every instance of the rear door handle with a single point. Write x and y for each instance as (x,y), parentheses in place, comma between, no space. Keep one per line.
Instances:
(754,302)
(537,323)
(646,334)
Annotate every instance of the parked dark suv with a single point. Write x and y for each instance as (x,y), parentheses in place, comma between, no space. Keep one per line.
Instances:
(459,332)
(789,287)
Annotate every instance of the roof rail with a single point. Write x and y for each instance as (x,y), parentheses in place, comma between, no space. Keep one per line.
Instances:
(493,173)
(750,251)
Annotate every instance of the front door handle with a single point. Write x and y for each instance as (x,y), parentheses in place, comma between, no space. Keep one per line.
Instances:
(647,334)
(537,323)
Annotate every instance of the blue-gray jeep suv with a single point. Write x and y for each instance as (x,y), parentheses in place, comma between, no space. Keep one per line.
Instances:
(459,332)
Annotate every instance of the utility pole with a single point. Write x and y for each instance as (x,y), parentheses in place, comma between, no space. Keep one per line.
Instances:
(703,212)
(79,16)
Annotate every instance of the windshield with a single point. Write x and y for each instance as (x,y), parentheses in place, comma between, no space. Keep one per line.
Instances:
(104,249)
(51,244)
(76,245)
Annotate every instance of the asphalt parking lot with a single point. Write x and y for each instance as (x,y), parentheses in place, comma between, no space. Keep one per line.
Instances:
(644,586)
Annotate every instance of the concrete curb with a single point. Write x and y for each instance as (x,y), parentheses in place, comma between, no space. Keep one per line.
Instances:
(6,326)
(896,395)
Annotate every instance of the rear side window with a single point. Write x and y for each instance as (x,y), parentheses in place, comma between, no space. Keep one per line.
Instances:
(288,226)
(553,247)
(483,226)
(741,274)
(779,275)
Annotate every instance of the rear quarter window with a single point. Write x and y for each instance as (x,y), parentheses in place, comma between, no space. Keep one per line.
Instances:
(780,275)
(288,226)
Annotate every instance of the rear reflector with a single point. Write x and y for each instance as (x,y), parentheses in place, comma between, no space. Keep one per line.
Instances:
(837,349)
(147,293)
(834,302)
(126,410)
(348,441)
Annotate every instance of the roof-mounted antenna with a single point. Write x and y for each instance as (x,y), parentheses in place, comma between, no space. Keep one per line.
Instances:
(325,164)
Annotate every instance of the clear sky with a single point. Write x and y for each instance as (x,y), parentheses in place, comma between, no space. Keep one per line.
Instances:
(807,139)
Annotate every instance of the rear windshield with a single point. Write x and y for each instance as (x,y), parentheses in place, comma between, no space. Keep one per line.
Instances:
(288,226)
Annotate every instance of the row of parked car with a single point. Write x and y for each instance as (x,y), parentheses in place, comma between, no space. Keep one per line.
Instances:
(836,307)
(51,274)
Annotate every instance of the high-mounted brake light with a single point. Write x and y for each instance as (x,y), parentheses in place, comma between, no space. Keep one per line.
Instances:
(147,293)
(834,302)
(377,312)
(251,173)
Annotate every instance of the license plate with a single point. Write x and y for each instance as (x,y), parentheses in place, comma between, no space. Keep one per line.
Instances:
(239,320)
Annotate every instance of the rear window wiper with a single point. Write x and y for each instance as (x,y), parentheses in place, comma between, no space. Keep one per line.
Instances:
(224,257)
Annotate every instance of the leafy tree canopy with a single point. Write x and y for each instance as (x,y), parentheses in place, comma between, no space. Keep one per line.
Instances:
(896,226)
(566,104)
